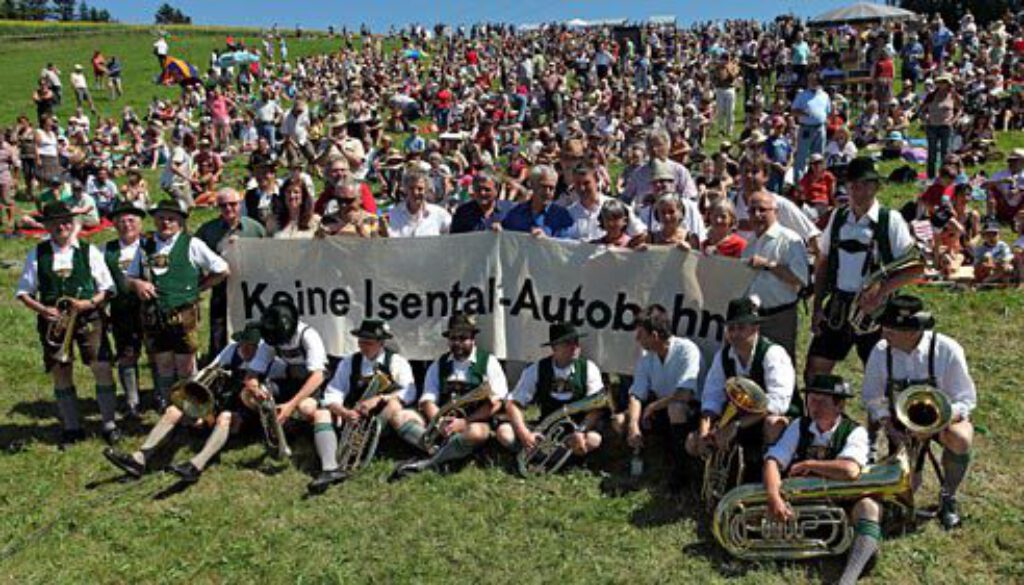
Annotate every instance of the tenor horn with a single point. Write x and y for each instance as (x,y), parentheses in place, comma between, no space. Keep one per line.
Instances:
(358,441)
(724,466)
(864,322)
(551,452)
(453,409)
(196,397)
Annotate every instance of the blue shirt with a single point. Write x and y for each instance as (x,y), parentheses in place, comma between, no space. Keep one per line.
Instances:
(554,219)
(816,106)
(469,217)
(778,149)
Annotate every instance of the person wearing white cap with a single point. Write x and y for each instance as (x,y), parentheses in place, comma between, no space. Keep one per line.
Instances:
(81,86)
(1006,188)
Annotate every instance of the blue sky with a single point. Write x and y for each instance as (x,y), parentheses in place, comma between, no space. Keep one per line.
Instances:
(382,13)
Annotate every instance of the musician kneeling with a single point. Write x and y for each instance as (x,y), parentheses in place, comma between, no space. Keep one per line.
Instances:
(825,443)
(562,378)
(346,403)
(232,415)
(463,369)
(749,354)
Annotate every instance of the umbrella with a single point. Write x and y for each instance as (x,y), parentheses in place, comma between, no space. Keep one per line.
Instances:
(178,71)
(862,12)
(237,58)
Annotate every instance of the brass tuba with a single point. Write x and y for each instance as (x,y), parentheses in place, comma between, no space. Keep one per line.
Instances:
(724,466)
(453,409)
(863,322)
(61,333)
(196,397)
(551,452)
(358,441)
(821,523)
(923,411)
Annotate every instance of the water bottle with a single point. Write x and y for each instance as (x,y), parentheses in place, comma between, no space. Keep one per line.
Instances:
(636,464)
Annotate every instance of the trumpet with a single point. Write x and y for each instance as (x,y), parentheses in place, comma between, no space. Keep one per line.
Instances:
(196,397)
(864,322)
(724,466)
(61,333)
(820,525)
(551,452)
(453,409)
(358,442)
(273,431)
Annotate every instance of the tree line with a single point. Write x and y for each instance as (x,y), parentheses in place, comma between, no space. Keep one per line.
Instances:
(62,10)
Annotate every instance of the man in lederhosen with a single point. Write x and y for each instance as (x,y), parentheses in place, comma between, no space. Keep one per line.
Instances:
(125,309)
(911,354)
(462,369)
(345,402)
(858,240)
(168,273)
(65,269)
(552,382)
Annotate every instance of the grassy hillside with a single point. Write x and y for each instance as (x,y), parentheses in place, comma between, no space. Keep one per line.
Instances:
(64,517)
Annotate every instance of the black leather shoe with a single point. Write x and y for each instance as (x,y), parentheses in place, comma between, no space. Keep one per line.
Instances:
(124,462)
(133,415)
(948,514)
(188,472)
(325,480)
(113,436)
(408,468)
(70,437)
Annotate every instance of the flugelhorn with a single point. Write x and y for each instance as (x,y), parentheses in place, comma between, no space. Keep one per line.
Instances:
(724,466)
(821,523)
(551,452)
(61,333)
(864,322)
(273,431)
(358,442)
(453,409)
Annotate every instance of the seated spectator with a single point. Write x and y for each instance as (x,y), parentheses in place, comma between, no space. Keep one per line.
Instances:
(932,197)
(817,188)
(993,259)
(947,249)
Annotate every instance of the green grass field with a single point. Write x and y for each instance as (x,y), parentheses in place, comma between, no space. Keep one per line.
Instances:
(64,517)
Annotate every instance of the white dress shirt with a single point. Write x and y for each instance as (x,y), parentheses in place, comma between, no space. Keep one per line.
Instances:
(783,246)
(526,388)
(678,371)
(587,222)
(951,374)
(851,264)
(431,220)
(63,259)
(199,254)
(789,216)
(779,380)
(460,372)
(400,372)
(855,449)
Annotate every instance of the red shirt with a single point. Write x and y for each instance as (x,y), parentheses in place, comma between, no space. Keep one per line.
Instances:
(885,69)
(369,203)
(731,246)
(818,191)
(932,196)
(444,99)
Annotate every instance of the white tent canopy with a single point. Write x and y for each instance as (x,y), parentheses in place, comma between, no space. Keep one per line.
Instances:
(862,12)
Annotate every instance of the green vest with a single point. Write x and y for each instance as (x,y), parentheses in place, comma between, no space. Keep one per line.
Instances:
(77,284)
(546,385)
(880,236)
(125,300)
(477,373)
(796,404)
(356,383)
(835,444)
(179,285)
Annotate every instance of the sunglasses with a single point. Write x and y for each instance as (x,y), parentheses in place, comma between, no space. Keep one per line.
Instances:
(228,205)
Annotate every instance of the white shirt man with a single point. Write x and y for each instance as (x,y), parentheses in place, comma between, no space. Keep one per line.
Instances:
(400,372)
(587,221)
(431,220)
(199,254)
(779,380)
(951,374)
(790,216)
(460,373)
(855,448)
(786,248)
(28,283)
(305,349)
(678,371)
(850,276)
(526,388)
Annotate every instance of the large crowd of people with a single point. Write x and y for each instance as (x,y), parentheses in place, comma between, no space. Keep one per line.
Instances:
(757,141)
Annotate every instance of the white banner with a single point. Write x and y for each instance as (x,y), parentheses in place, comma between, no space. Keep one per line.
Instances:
(515,283)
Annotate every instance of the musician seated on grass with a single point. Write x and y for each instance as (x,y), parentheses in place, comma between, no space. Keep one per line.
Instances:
(749,354)
(461,370)
(562,378)
(826,443)
(663,397)
(910,354)
(65,268)
(232,414)
(345,401)
(301,348)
